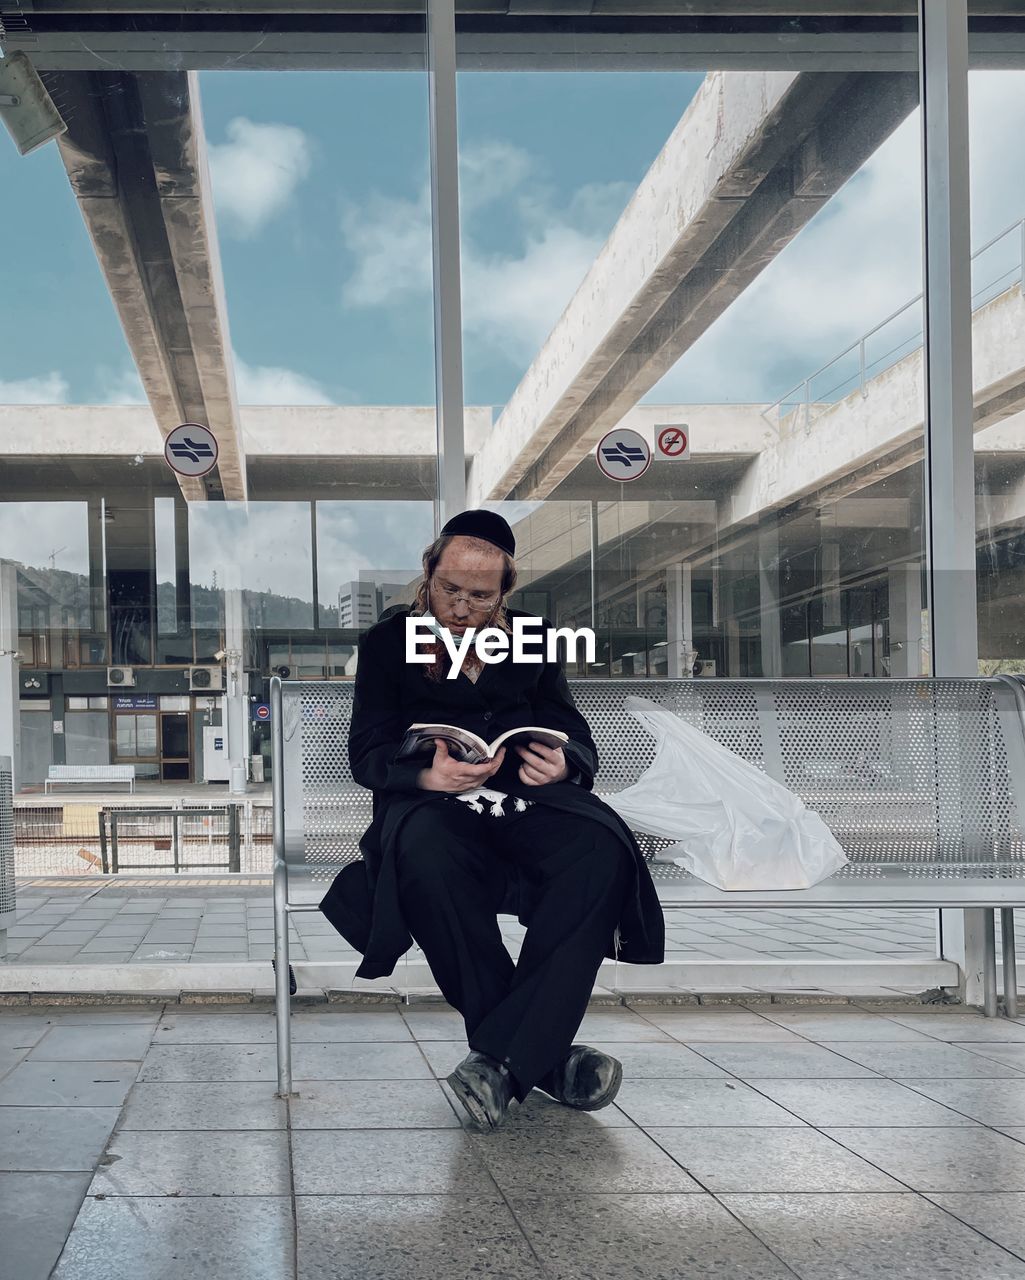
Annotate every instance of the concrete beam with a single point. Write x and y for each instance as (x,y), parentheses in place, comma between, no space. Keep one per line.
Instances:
(570,35)
(269,431)
(863,439)
(347,452)
(753,158)
(136,158)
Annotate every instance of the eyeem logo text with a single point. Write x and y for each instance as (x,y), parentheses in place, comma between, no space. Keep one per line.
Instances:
(530,641)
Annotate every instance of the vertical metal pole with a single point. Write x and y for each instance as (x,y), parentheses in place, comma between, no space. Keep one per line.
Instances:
(949,445)
(282,1000)
(593,517)
(448,336)
(105,866)
(113,842)
(234,859)
(989,970)
(770,616)
(1010,960)
(949,437)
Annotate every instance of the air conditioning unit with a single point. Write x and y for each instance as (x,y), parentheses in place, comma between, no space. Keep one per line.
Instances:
(704,667)
(120,677)
(206,679)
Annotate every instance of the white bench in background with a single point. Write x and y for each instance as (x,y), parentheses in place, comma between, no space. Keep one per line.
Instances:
(90,774)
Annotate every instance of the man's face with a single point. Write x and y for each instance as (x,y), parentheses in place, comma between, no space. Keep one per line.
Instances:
(466,585)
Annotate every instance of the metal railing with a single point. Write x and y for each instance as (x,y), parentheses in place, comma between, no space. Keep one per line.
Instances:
(72,838)
(855,367)
(110,845)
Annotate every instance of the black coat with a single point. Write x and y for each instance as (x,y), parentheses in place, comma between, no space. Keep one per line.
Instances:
(390,694)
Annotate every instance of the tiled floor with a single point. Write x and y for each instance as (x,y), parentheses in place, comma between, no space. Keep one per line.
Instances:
(753,1143)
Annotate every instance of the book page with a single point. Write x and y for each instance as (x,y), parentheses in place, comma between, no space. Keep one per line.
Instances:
(462,743)
(534,733)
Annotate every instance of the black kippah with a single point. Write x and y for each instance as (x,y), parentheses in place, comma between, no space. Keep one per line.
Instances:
(486,525)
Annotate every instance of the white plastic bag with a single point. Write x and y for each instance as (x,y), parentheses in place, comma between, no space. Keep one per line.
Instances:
(734,826)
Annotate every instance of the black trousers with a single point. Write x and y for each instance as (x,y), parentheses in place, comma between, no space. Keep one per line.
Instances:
(454,868)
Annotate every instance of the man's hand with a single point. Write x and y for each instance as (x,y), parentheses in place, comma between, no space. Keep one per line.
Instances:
(542,764)
(448,774)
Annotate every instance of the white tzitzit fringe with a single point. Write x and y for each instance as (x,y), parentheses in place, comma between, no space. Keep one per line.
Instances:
(494,798)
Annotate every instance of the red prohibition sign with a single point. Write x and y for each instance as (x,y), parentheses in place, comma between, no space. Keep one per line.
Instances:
(672,441)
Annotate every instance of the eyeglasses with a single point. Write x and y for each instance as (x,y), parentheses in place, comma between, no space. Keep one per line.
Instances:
(477,604)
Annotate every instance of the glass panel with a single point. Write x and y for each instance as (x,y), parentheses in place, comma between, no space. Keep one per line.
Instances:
(125,736)
(166,566)
(146,735)
(174,735)
(997,120)
(307,243)
(368,554)
(669,250)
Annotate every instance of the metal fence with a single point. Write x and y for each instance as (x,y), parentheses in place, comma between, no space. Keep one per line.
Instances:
(72,838)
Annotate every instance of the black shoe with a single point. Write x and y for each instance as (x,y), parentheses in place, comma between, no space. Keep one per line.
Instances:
(587,1079)
(484,1087)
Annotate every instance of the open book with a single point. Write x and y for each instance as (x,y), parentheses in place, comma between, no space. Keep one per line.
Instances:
(468,747)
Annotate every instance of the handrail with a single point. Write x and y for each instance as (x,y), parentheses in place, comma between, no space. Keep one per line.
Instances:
(800,393)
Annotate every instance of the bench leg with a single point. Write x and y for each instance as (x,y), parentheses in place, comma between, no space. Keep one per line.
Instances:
(282,996)
(1010,962)
(989,961)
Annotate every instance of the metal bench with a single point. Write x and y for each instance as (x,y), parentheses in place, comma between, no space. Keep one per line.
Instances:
(922,782)
(70,774)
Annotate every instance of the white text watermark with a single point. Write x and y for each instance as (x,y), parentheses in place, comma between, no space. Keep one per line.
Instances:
(530,641)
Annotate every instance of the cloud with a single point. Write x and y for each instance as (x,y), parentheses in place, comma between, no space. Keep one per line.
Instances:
(47,388)
(488,172)
(269,384)
(123,387)
(996,121)
(511,296)
(256,172)
(390,240)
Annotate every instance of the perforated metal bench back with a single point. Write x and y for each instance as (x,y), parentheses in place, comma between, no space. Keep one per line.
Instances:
(925,775)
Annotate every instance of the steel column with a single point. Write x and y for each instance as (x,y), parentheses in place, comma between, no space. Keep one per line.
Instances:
(281,993)
(947,321)
(949,443)
(448,335)
(989,970)
(1010,960)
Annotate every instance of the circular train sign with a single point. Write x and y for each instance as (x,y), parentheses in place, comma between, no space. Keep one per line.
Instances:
(191,450)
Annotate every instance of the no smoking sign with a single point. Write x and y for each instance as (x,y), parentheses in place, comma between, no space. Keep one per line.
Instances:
(672,442)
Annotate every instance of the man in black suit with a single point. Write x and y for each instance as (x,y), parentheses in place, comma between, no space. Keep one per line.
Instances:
(454,845)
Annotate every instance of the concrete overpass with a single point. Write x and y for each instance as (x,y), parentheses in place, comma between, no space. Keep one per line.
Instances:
(753,158)
(863,439)
(741,467)
(136,158)
(307,451)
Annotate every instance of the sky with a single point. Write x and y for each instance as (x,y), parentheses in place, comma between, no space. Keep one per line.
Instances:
(323,220)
